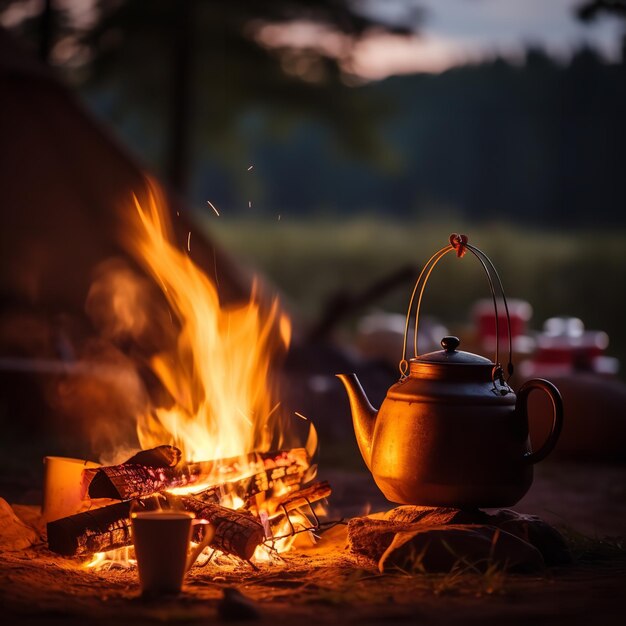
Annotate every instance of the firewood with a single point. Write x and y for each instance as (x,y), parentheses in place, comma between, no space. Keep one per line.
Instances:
(131,480)
(236,532)
(161,456)
(98,482)
(239,533)
(304,497)
(286,477)
(97,530)
(107,528)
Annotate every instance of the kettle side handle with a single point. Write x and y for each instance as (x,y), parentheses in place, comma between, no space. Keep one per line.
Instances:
(557,415)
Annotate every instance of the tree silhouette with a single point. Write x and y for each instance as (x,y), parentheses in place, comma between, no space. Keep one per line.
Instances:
(196,67)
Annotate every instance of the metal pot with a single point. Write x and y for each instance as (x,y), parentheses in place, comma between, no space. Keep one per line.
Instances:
(451,431)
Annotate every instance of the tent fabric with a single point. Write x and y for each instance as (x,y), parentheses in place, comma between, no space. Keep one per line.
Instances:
(63,181)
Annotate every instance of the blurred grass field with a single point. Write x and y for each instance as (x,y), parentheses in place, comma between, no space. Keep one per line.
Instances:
(576,273)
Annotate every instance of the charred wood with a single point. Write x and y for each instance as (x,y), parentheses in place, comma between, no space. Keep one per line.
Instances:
(129,481)
(302,500)
(161,456)
(283,476)
(236,532)
(305,497)
(98,481)
(97,530)
(108,528)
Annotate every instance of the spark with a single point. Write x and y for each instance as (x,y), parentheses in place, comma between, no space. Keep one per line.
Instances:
(249,204)
(306,419)
(250,168)
(177,213)
(213,207)
(189,242)
(279,217)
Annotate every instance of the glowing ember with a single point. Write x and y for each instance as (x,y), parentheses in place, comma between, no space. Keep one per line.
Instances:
(122,558)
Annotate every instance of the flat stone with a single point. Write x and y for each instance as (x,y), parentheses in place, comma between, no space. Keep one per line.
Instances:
(14,534)
(529,528)
(435,516)
(440,538)
(547,539)
(422,547)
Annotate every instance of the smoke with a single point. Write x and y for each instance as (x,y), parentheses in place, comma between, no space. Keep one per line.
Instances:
(126,308)
(109,385)
(101,396)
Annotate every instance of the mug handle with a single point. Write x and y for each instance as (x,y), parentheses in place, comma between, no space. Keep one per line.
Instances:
(209,533)
(557,415)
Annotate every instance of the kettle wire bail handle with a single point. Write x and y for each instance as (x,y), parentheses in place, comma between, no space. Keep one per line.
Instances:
(459,243)
(403,366)
(490,269)
(557,415)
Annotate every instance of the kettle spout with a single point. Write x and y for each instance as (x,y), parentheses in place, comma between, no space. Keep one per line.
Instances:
(363,415)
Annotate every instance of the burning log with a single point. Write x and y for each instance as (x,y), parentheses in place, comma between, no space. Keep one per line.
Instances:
(291,502)
(108,528)
(101,480)
(97,530)
(284,476)
(236,532)
(130,481)
(161,456)
(305,497)
(137,480)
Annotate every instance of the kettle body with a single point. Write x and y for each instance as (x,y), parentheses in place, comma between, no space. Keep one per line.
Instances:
(451,432)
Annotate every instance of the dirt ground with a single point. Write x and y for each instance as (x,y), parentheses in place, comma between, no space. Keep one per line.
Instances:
(325,584)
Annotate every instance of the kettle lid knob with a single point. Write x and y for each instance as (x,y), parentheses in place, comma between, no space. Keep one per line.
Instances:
(450,343)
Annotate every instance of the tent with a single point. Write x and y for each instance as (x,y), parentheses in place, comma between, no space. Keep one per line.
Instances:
(62,178)
(64,183)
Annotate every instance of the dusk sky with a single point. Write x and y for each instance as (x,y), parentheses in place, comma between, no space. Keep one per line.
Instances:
(456,31)
(452,32)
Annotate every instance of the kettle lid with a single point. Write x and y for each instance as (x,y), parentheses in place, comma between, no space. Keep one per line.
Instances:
(451,355)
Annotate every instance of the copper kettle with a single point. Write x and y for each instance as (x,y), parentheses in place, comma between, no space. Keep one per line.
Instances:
(451,431)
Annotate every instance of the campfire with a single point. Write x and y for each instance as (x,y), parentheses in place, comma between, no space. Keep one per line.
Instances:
(219,456)
(222,477)
(214,443)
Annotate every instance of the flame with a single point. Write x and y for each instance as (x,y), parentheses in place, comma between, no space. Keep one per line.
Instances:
(122,558)
(219,373)
(296,527)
